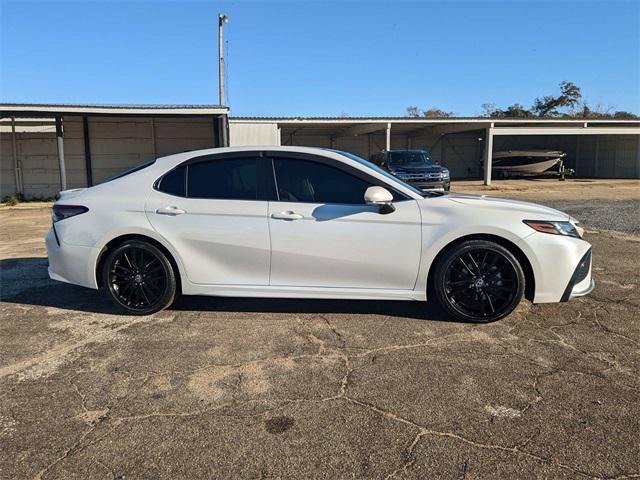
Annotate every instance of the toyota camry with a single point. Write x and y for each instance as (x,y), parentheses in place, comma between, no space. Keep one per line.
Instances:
(309,223)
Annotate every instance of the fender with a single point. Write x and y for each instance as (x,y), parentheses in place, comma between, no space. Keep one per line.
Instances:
(435,241)
(145,232)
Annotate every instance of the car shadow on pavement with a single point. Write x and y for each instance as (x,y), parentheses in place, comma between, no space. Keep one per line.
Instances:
(403,309)
(25,281)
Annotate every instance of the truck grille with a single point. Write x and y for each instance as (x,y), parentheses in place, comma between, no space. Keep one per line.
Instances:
(419,176)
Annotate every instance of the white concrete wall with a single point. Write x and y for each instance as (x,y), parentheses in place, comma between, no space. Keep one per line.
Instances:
(38,159)
(117,144)
(247,133)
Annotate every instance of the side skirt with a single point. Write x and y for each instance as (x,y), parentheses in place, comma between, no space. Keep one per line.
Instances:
(266,291)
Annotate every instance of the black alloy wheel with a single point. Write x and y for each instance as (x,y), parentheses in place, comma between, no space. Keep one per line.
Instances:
(139,278)
(479,281)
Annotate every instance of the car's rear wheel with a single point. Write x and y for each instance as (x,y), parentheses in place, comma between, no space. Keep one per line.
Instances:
(478,281)
(139,278)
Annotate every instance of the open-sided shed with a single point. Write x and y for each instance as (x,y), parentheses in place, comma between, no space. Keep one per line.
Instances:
(48,148)
(595,148)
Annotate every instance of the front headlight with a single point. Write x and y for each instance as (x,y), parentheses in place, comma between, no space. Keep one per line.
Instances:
(567,229)
(445,173)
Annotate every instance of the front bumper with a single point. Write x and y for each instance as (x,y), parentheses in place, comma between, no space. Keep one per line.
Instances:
(71,263)
(581,282)
(554,260)
(430,185)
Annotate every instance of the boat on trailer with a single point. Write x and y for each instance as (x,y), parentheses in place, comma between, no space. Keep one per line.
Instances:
(526,161)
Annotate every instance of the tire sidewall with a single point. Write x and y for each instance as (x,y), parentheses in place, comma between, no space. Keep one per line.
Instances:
(472,245)
(170,289)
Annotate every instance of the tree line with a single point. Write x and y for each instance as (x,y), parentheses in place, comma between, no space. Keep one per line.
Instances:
(567,104)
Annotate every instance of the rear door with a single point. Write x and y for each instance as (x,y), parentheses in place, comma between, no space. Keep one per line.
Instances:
(324,235)
(213,210)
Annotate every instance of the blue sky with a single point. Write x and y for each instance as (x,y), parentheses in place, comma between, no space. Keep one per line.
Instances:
(321,58)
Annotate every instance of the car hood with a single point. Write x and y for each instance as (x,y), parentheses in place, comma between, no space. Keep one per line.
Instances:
(533,210)
(415,166)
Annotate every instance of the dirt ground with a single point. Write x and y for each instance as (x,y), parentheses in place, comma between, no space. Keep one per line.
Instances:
(552,189)
(255,388)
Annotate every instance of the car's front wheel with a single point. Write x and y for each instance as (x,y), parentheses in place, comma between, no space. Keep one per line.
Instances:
(139,278)
(478,281)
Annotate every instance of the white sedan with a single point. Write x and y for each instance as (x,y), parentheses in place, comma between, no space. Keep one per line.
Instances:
(308,223)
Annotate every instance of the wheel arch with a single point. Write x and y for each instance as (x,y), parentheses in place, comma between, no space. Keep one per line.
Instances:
(529,276)
(119,240)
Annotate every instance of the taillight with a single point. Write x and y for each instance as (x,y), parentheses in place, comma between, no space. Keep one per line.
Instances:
(60,212)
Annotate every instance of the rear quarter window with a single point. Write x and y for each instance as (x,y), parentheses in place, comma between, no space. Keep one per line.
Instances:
(174,182)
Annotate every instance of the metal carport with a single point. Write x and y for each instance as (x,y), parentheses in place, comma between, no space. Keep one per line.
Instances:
(101,140)
(461,143)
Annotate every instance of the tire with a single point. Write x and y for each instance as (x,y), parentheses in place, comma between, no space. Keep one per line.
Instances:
(139,278)
(478,281)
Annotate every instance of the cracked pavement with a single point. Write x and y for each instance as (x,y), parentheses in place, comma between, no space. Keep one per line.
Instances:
(272,388)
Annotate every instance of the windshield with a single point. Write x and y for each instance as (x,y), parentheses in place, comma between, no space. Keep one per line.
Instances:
(409,156)
(370,165)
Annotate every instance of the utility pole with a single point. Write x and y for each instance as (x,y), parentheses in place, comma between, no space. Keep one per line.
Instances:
(222,19)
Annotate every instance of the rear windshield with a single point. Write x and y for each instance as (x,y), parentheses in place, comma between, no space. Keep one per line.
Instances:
(133,170)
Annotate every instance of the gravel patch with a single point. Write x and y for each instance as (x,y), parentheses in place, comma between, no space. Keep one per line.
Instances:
(622,216)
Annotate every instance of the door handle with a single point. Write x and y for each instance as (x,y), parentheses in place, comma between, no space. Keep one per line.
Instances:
(172,211)
(288,215)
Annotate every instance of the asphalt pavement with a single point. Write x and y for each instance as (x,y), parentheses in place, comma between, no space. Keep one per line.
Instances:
(271,388)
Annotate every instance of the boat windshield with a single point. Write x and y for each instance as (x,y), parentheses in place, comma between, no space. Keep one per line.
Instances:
(370,165)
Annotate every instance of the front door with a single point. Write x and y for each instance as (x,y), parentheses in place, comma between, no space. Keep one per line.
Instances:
(324,235)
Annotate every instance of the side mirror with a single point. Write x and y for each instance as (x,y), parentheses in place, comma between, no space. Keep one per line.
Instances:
(380,196)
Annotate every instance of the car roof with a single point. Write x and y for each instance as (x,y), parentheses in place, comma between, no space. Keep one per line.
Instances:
(246,148)
(164,163)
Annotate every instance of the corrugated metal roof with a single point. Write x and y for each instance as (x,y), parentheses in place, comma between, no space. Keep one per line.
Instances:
(433,119)
(108,109)
(361,118)
(111,105)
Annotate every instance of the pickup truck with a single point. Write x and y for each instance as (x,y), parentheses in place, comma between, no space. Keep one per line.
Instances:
(414,167)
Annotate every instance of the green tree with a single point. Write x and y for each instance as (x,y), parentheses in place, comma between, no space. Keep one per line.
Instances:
(568,104)
(547,106)
(432,112)
(514,111)
(622,115)
(414,112)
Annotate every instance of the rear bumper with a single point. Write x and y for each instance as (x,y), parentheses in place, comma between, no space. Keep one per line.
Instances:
(71,263)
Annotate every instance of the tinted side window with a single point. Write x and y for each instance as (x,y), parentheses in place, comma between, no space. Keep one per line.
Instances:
(312,182)
(230,179)
(174,182)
